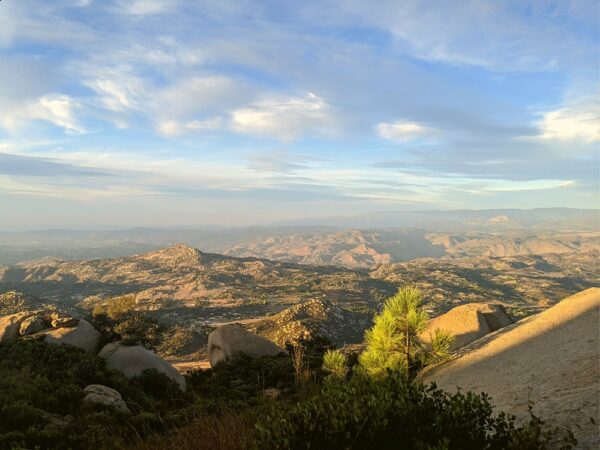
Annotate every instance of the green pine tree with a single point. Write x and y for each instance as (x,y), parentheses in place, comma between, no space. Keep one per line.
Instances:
(394,343)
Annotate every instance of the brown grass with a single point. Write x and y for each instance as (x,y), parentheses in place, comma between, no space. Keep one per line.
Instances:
(228,430)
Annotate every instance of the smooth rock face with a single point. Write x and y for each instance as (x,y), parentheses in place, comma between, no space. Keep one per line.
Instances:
(468,323)
(133,360)
(10,326)
(84,336)
(230,340)
(99,394)
(32,325)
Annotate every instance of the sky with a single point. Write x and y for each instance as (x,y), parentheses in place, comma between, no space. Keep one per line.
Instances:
(121,113)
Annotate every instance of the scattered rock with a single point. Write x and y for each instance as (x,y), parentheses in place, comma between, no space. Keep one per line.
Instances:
(98,394)
(230,340)
(10,325)
(61,320)
(133,360)
(84,336)
(32,325)
(468,323)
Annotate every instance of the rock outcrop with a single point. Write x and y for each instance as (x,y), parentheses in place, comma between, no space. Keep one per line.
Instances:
(83,335)
(98,394)
(550,358)
(61,320)
(133,360)
(10,326)
(468,323)
(33,324)
(230,340)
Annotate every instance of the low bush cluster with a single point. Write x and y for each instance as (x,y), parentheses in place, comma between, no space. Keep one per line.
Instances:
(391,413)
(41,399)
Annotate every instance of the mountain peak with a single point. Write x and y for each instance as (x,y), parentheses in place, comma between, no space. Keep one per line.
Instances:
(178,254)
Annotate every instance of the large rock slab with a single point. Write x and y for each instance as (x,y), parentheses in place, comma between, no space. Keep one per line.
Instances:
(468,323)
(231,340)
(133,360)
(10,326)
(84,336)
(550,358)
(98,394)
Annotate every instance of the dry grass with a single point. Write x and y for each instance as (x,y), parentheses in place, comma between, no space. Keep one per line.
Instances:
(228,430)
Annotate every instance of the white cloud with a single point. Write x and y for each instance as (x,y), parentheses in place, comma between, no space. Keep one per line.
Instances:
(175,128)
(118,90)
(147,7)
(283,118)
(57,109)
(402,130)
(572,123)
(205,94)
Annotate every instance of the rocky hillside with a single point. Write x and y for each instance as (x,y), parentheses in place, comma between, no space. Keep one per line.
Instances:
(181,283)
(14,302)
(184,278)
(550,358)
(524,284)
(314,319)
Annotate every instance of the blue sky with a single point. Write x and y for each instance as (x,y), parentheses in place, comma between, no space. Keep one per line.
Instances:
(158,112)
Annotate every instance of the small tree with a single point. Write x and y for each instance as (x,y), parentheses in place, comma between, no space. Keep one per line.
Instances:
(335,363)
(394,343)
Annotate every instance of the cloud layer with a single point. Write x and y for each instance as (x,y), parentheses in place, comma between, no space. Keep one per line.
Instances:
(256,112)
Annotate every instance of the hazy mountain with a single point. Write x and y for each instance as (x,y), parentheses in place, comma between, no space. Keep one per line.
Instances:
(359,242)
(461,220)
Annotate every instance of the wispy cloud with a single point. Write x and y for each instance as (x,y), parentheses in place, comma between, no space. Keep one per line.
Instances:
(402,130)
(284,117)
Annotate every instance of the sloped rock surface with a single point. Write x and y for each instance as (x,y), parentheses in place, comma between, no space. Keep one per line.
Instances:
(133,360)
(550,358)
(231,340)
(468,323)
(83,335)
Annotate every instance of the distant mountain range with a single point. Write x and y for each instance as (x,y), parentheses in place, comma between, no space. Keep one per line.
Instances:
(467,220)
(357,242)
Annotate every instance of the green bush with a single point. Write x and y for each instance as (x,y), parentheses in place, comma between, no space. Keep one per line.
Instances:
(117,319)
(41,394)
(392,413)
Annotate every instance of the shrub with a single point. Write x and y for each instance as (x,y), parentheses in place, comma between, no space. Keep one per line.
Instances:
(41,394)
(391,413)
(117,319)
(335,363)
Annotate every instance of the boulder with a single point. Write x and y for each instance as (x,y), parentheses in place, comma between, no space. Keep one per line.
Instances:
(10,326)
(230,340)
(61,320)
(98,394)
(468,323)
(84,336)
(32,325)
(133,360)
